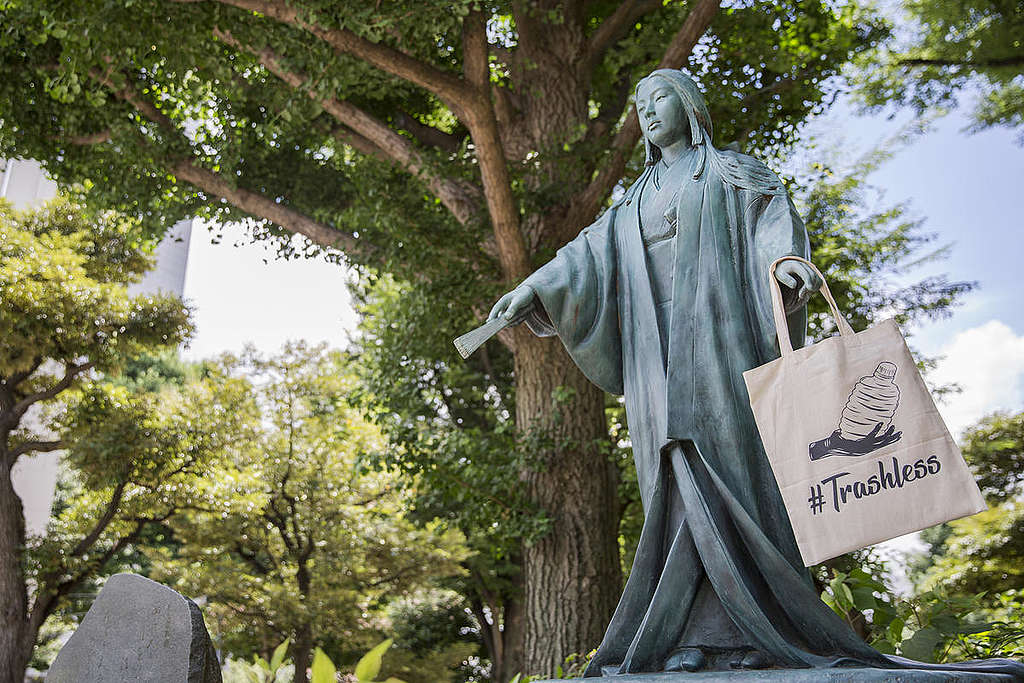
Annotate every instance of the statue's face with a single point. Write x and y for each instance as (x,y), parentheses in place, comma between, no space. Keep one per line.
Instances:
(662,116)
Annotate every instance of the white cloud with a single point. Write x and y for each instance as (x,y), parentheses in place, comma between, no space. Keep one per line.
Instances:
(988,363)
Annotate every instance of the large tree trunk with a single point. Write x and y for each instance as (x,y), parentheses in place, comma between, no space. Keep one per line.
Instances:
(302,652)
(302,646)
(513,635)
(502,633)
(15,643)
(573,579)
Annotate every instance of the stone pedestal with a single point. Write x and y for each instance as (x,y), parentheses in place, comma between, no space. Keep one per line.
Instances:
(138,630)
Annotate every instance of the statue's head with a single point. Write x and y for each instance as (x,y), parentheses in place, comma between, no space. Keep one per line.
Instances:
(682,111)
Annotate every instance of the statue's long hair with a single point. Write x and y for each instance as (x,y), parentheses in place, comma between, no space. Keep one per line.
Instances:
(738,169)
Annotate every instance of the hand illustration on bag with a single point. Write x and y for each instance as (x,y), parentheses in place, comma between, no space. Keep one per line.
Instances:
(864,426)
(835,444)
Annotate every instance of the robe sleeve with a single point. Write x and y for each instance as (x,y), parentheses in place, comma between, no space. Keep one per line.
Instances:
(577,300)
(777,231)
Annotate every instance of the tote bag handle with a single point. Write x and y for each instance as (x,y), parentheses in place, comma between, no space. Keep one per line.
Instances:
(781,326)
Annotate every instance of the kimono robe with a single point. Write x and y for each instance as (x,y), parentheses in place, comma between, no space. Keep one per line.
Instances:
(713,513)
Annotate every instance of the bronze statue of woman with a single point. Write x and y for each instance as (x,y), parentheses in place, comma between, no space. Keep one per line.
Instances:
(664,300)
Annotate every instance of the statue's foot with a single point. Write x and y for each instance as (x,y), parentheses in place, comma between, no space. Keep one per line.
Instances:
(752,659)
(685,659)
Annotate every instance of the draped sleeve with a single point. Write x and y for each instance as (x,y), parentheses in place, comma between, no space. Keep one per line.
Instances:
(577,300)
(773,228)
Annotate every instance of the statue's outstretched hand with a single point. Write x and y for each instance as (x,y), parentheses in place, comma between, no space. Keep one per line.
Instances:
(515,305)
(799,277)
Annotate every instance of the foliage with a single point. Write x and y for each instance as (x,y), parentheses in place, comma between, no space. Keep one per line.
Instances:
(323,670)
(450,433)
(134,459)
(931,626)
(868,250)
(260,670)
(277,670)
(995,450)
(434,632)
(81,81)
(984,554)
(951,46)
(290,537)
(64,275)
(66,317)
(981,554)
(573,667)
(449,422)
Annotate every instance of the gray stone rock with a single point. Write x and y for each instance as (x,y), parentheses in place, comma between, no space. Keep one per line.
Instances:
(138,630)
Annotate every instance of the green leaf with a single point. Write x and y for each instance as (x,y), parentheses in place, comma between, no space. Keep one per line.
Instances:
(970,629)
(323,668)
(895,630)
(864,598)
(883,646)
(369,666)
(946,623)
(921,646)
(827,598)
(278,657)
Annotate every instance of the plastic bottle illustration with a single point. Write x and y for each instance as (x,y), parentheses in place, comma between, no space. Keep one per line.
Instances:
(873,401)
(866,421)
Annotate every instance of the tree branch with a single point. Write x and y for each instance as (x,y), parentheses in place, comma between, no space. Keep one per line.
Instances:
(615,27)
(468,103)
(126,94)
(683,42)
(71,372)
(102,523)
(251,559)
(474,49)
(36,447)
(611,111)
(258,205)
(447,87)
(456,196)
(372,499)
(586,204)
(9,385)
(479,116)
(488,631)
(1014,60)
(246,200)
(357,142)
(89,139)
(427,135)
(277,519)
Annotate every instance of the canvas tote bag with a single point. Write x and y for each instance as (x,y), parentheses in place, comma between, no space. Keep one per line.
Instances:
(857,446)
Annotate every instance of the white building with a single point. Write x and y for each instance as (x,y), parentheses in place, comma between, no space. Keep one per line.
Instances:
(24,183)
